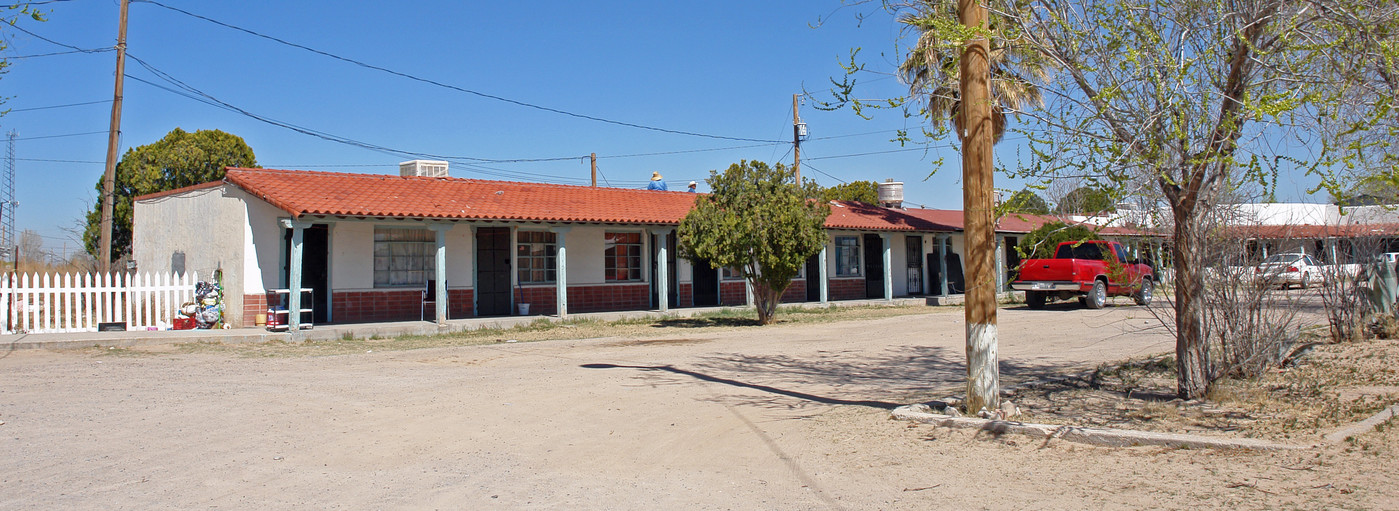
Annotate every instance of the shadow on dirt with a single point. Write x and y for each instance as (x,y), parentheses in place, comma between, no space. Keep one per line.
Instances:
(897,376)
(705,322)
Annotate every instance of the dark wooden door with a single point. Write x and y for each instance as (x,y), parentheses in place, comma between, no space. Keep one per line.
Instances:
(704,285)
(874,266)
(493,271)
(315,269)
(913,248)
(813,278)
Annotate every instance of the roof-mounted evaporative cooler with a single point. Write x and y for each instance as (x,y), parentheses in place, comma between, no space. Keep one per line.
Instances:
(423,168)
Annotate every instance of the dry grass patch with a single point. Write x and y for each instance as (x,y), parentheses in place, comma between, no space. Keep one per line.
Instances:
(1330,386)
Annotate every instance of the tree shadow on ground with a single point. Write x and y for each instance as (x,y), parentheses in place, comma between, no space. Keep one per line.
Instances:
(894,377)
(705,322)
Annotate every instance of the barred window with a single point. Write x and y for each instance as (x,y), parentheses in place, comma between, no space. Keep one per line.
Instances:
(404,257)
(847,256)
(623,256)
(537,255)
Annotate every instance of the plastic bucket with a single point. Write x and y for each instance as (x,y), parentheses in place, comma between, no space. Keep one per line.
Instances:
(524,309)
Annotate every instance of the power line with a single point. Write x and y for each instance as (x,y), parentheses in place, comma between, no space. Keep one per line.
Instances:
(70,52)
(822,172)
(445,85)
(59,161)
(13,110)
(62,136)
(904,150)
(191,92)
(51,41)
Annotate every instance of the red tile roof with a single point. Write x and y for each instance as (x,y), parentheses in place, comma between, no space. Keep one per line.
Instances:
(387,196)
(866,217)
(377,195)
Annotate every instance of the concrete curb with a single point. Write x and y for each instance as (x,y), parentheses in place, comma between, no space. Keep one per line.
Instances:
(1365,426)
(1091,436)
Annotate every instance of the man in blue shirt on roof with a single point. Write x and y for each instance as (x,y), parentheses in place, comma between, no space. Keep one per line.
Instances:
(656,183)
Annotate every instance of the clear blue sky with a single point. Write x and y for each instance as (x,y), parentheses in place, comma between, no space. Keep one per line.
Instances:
(722,68)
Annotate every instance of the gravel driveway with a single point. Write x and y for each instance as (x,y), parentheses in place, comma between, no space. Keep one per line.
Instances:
(780,417)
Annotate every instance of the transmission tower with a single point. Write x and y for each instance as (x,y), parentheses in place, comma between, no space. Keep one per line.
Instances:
(7,202)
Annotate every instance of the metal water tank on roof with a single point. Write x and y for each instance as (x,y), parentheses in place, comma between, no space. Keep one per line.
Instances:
(891,194)
(423,168)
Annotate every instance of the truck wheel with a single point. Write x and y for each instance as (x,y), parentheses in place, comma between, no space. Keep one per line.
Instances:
(1098,297)
(1143,296)
(1035,299)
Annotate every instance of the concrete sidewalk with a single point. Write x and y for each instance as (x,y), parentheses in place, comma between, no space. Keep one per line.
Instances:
(365,330)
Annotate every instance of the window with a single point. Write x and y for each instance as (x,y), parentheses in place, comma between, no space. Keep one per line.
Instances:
(732,274)
(404,256)
(623,256)
(537,256)
(847,256)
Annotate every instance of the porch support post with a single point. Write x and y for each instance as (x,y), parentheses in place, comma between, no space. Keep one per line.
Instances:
(888,270)
(748,292)
(944,246)
(561,276)
(663,270)
(1000,264)
(440,301)
(824,279)
(298,236)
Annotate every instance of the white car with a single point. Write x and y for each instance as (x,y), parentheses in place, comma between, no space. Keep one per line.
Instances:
(1287,270)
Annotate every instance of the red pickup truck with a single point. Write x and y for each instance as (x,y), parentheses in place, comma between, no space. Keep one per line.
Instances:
(1089,270)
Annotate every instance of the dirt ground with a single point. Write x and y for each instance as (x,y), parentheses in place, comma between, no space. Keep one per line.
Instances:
(790,416)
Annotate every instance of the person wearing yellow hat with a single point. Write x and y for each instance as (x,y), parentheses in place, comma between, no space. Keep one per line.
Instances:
(656,182)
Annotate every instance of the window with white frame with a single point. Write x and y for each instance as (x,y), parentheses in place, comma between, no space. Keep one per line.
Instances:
(622,259)
(404,256)
(536,253)
(847,256)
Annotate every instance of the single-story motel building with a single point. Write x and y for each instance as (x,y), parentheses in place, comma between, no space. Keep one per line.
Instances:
(371,247)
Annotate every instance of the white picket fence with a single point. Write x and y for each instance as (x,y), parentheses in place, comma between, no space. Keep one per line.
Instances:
(63,303)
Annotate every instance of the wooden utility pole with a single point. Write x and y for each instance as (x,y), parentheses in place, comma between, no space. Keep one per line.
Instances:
(109,177)
(796,141)
(983,375)
(593,158)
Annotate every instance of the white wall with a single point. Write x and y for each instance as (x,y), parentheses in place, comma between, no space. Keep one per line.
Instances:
(352,254)
(203,226)
(263,244)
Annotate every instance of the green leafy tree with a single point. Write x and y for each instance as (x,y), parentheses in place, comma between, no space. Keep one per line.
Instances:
(180,159)
(1027,202)
(857,191)
(1086,200)
(758,220)
(1041,242)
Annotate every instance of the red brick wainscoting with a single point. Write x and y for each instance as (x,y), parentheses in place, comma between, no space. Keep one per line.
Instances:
(252,306)
(846,289)
(796,292)
(733,292)
(542,300)
(687,294)
(608,297)
(393,305)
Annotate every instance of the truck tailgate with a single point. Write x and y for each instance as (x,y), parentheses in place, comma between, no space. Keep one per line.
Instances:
(1047,270)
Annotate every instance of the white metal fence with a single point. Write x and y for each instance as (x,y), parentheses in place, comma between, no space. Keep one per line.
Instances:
(61,303)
